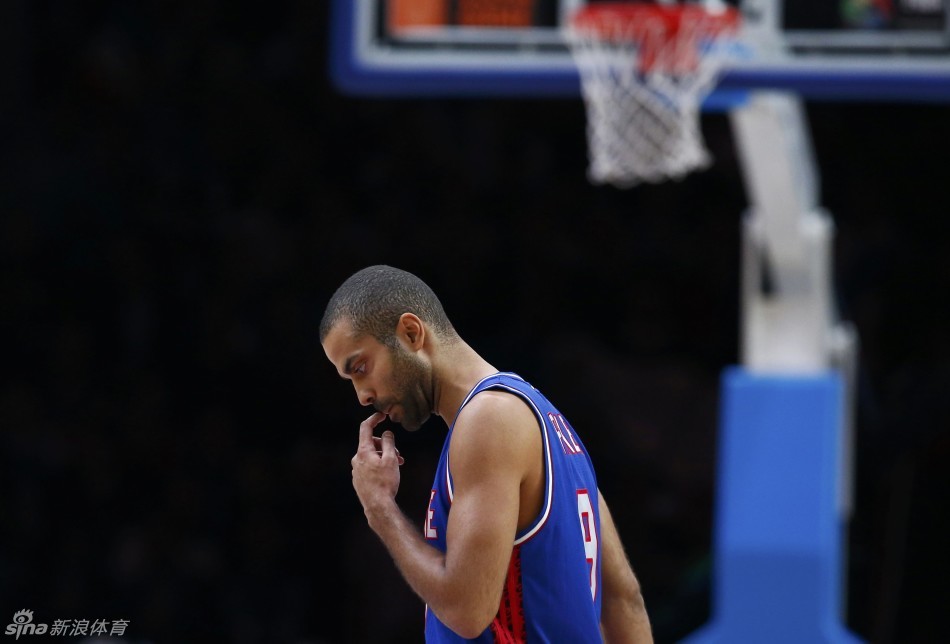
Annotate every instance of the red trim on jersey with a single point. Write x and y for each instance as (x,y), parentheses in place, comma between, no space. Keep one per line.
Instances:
(508,627)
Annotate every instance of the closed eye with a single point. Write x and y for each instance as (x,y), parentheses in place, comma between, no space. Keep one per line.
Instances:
(349,369)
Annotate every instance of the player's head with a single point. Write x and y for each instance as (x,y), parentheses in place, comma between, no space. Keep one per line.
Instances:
(373,299)
(373,330)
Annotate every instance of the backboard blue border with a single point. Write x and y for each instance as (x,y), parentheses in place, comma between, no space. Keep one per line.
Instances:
(355,72)
(360,67)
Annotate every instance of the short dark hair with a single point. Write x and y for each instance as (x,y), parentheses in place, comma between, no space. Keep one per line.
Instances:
(374,298)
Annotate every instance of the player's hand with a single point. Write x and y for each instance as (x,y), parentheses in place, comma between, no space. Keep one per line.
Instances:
(378,442)
(375,465)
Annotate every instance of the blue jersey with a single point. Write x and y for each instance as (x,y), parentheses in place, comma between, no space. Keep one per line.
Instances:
(552,589)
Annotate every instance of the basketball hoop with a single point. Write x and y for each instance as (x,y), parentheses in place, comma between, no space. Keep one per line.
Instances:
(645,69)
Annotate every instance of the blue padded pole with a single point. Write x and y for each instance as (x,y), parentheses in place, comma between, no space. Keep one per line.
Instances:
(779,533)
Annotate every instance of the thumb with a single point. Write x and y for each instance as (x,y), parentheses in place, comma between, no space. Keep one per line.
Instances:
(389,442)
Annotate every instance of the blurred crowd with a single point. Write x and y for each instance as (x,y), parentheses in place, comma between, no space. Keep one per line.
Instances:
(181,190)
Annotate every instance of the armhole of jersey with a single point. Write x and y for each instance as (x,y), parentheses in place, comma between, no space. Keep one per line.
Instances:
(449,488)
(448,479)
(542,517)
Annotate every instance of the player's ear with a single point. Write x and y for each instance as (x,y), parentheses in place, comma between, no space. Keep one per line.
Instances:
(411,330)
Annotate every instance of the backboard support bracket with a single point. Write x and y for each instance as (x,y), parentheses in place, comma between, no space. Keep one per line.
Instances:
(786,431)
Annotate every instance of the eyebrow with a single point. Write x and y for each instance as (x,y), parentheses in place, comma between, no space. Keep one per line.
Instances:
(348,365)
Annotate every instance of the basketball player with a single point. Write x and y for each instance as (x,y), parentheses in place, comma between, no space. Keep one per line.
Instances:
(517,544)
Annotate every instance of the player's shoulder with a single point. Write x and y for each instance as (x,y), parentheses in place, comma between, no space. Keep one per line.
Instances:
(496,414)
(496,405)
(495,432)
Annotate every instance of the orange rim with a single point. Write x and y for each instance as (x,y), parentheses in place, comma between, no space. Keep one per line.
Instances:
(655,28)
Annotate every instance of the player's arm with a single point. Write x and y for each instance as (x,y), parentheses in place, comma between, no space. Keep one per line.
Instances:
(494,440)
(624,616)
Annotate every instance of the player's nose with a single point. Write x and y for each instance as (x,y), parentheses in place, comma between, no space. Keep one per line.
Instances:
(365,396)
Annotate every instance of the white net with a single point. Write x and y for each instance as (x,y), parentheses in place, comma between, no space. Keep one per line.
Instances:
(645,70)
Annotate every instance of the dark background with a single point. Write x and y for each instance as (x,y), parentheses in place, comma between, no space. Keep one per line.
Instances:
(182,189)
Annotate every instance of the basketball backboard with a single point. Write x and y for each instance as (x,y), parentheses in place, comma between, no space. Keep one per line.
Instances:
(824,49)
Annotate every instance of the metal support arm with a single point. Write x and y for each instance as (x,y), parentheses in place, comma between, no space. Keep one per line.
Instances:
(790,324)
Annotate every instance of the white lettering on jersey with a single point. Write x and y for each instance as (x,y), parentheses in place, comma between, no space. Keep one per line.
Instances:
(585,512)
(430,531)
(564,434)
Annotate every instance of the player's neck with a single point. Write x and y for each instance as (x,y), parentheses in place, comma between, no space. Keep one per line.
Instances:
(458,370)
